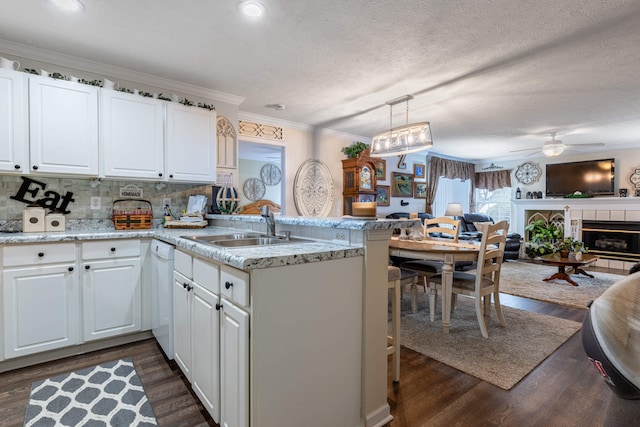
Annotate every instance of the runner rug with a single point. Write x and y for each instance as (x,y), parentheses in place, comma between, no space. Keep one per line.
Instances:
(504,358)
(525,279)
(110,394)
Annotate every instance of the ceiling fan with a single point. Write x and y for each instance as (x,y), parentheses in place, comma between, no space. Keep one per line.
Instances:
(554,147)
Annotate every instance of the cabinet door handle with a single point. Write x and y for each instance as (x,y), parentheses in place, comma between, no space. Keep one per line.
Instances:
(171,176)
(189,288)
(40,254)
(70,268)
(113,249)
(160,174)
(218,306)
(228,284)
(87,267)
(35,167)
(184,285)
(16,166)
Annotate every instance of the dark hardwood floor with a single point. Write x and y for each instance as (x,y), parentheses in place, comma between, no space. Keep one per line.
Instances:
(563,391)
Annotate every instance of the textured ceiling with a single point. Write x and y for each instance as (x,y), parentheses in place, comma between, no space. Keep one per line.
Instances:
(490,76)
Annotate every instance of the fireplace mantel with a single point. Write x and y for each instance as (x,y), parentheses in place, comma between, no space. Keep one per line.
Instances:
(593,208)
(577,210)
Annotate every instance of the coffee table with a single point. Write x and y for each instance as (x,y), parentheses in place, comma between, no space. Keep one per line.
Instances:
(563,263)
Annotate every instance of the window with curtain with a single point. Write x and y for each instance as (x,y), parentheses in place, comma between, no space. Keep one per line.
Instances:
(451,190)
(496,203)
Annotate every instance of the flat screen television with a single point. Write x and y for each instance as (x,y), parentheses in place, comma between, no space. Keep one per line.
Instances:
(595,177)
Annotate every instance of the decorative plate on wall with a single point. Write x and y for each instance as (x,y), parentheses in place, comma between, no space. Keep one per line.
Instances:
(528,173)
(253,189)
(270,174)
(634,178)
(313,189)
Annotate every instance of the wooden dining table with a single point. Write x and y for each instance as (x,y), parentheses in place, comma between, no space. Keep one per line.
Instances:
(439,250)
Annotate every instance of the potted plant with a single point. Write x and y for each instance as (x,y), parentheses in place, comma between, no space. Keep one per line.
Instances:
(570,245)
(353,150)
(543,237)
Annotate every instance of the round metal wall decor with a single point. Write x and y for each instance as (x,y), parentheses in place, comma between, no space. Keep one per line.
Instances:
(528,173)
(270,174)
(313,189)
(634,178)
(253,189)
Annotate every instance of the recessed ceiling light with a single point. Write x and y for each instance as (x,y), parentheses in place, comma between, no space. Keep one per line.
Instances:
(252,9)
(70,5)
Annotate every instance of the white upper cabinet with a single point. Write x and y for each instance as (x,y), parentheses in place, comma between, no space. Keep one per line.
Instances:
(63,127)
(14,143)
(131,135)
(191,144)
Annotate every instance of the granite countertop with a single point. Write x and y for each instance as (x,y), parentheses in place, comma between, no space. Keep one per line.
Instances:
(245,258)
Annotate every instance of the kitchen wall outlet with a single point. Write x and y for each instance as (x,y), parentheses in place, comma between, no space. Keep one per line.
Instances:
(96,203)
(166,201)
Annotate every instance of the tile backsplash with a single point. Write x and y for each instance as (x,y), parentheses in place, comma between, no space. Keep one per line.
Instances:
(108,191)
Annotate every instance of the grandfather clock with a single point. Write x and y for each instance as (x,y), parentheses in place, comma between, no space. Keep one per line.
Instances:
(358,181)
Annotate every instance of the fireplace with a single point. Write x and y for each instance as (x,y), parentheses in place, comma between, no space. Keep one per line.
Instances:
(619,240)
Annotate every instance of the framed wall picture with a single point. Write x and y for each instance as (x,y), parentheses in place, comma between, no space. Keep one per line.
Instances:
(381,170)
(420,190)
(382,198)
(401,184)
(418,170)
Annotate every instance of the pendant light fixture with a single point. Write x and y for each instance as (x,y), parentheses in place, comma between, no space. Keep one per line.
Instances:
(406,139)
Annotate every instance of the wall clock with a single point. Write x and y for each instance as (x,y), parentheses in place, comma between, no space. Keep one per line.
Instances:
(253,189)
(634,178)
(528,173)
(270,174)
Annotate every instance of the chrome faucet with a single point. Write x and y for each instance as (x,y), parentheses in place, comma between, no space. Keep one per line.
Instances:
(270,220)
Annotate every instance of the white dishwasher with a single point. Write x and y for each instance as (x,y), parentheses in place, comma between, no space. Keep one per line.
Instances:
(162,294)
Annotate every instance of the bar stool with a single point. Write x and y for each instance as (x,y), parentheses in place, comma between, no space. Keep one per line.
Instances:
(396,279)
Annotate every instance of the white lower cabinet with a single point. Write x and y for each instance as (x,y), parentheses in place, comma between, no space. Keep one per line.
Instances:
(111,288)
(205,368)
(55,296)
(211,339)
(41,298)
(234,365)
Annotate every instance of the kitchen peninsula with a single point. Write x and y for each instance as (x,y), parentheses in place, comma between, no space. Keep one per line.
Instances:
(316,313)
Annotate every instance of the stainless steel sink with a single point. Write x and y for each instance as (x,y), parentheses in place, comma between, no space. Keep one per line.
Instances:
(234,236)
(245,240)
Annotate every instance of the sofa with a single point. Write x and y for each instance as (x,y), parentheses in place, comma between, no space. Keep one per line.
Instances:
(469,231)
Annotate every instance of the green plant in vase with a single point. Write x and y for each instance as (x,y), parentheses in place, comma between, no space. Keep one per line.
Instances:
(543,238)
(355,149)
(570,245)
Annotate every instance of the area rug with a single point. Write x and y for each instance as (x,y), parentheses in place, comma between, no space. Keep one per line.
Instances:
(504,358)
(110,394)
(525,279)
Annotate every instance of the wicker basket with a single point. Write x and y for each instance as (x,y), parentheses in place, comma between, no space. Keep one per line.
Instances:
(132,214)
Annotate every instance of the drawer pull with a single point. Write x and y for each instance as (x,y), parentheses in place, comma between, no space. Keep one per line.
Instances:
(228,284)
(35,167)
(87,267)
(16,167)
(113,249)
(40,254)
(218,306)
(70,268)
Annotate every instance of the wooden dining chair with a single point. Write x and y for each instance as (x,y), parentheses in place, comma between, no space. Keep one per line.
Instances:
(486,280)
(442,226)
(436,227)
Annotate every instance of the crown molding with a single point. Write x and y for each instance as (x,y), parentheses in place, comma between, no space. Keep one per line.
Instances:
(258,118)
(69,61)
